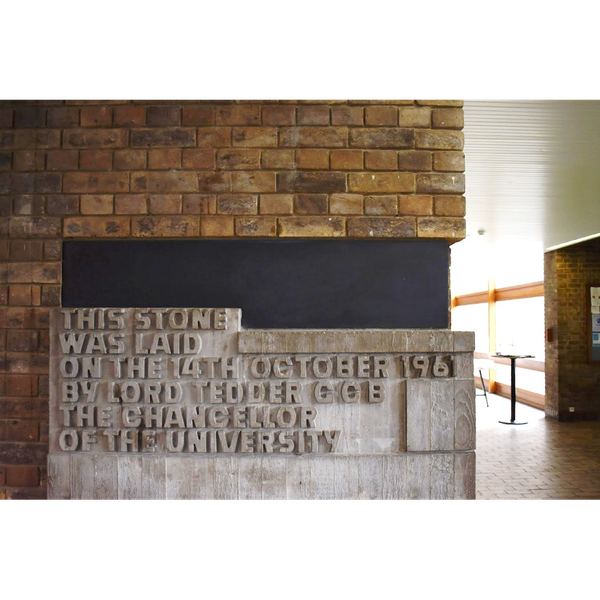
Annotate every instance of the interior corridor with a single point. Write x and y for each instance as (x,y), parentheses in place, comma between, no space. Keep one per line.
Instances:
(541,460)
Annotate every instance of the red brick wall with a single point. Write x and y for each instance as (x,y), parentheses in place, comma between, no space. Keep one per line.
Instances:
(570,380)
(361,169)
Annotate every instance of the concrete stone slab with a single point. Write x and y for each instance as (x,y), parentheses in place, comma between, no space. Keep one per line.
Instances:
(183,403)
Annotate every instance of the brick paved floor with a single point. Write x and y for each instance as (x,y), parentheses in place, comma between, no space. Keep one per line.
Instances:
(541,460)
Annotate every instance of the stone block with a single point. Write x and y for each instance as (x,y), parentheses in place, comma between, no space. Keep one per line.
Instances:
(183,404)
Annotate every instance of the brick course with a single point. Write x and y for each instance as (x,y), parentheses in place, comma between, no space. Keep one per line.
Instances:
(119,147)
(128,169)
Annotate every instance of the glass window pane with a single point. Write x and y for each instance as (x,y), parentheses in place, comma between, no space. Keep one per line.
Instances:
(525,379)
(469,266)
(473,317)
(515,265)
(520,327)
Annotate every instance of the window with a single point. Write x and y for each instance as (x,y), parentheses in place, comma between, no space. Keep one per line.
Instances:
(520,327)
(473,317)
(500,298)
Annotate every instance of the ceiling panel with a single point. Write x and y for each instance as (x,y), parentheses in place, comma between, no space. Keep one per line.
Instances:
(532,170)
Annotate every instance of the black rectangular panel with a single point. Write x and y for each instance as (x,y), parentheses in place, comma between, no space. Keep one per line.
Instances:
(304,284)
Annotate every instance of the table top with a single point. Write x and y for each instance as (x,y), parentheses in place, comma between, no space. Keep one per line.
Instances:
(514,355)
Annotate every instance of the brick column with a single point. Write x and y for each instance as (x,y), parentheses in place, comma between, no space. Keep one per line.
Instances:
(122,169)
(570,380)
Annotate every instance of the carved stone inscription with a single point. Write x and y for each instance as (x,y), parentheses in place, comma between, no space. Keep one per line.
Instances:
(128,380)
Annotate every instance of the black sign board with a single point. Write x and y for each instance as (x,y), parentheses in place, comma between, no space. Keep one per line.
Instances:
(304,284)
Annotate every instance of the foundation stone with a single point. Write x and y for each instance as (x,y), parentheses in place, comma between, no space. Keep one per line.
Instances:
(182,403)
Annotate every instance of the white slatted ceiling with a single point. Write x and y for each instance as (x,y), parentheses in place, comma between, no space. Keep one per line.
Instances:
(532,170)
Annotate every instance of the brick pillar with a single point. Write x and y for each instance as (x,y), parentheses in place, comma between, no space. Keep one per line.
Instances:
(122,169)
(570,380)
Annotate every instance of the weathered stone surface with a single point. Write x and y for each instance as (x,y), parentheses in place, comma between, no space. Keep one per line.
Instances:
(381,227)
(382,183)
(452,228)
(352,442)
(311,182)
(440,183)
(439,140)
(311,226)
(175,136)
(382,137)
(439,476)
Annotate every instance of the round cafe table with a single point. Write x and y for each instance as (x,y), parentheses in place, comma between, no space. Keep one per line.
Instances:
(513,387)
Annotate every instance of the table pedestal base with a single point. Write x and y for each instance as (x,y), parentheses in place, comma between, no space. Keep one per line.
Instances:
(513,390)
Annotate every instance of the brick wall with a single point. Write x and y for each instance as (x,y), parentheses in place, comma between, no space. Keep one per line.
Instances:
(360,169)
(570,380)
